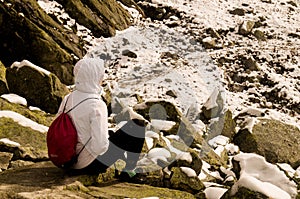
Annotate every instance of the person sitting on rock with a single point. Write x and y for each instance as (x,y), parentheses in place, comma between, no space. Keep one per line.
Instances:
(97,148)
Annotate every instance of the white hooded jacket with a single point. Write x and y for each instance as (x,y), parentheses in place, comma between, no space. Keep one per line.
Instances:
(90,117)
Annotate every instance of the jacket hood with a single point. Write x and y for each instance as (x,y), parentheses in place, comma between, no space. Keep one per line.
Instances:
(88,73)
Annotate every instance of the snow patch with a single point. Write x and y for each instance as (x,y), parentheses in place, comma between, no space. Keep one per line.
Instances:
(13,98)
(162,125)
(159,154)
(218,140)
(188,171)
(214,192)
(9,142)
(259,175)
(28,63)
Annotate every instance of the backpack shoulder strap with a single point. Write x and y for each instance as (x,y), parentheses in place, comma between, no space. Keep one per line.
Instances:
(84,145)
(79,103)
(65,104)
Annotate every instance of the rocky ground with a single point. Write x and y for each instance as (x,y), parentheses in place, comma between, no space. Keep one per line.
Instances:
(218,82)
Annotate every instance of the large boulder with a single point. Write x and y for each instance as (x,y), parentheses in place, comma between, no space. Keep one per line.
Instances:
(27,32)
(275,140)
(40,87)
(158,109)
(25,25)
(3,83)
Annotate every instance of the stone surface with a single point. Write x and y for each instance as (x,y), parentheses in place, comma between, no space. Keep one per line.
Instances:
(276,141)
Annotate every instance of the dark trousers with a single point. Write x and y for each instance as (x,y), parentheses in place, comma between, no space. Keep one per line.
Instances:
(130,139)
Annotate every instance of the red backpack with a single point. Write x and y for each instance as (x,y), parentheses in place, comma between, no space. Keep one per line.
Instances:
(62,140)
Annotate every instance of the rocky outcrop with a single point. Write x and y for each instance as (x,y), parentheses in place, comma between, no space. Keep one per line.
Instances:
(28,32)
(38,116)
(103,18)
(40,87)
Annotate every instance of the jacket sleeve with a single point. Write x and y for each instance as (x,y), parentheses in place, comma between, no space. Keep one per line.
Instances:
(99,130)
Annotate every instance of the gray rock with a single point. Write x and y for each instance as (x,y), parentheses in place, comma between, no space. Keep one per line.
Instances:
(153,11)
(158,109)
(171,93)
(259,34)
(238,11)
(129,53)
(209,42)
